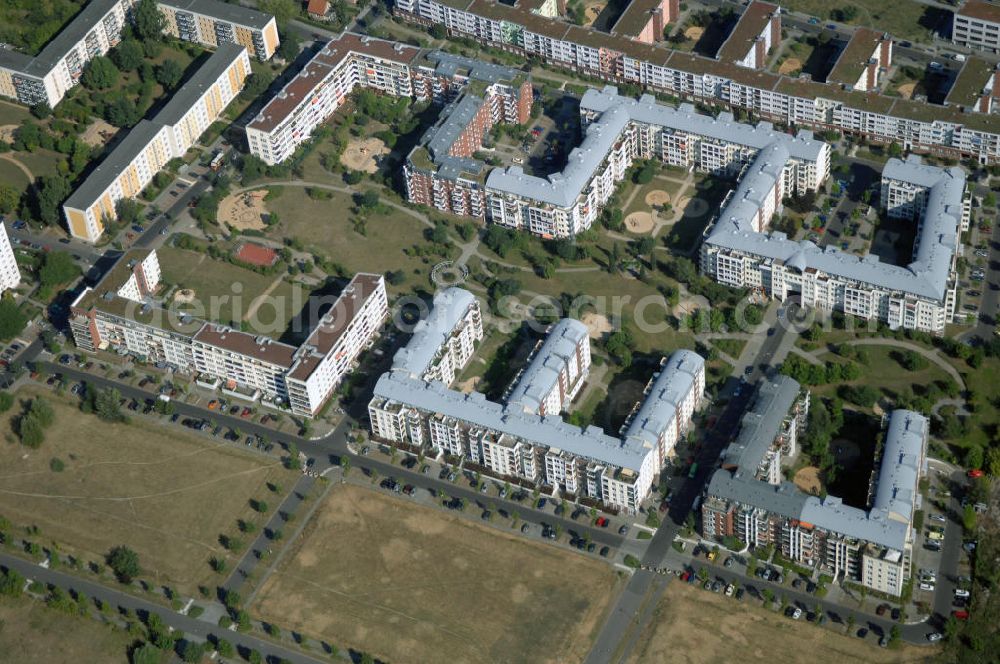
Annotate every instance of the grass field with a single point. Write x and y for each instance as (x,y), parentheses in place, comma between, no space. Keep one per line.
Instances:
(327,227)
(903,20)
(692,626)
(413,584)
(31,632)
(164,493)
(226,291)
(12,176)
(40,162)
(11,113)
(884,373)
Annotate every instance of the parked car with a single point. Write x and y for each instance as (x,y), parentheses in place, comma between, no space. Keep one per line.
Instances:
(602,522)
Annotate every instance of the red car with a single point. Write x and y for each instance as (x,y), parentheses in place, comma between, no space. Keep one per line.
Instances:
(960,615)
(602,522)
(975,472)
(245,413)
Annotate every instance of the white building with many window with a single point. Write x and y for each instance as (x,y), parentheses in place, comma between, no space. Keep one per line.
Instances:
(617,131)
(122,315)
(739,251)
(10,275)
(525,439)
(977,25)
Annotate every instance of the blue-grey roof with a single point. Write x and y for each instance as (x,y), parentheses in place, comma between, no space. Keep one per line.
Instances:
(430,334)
(885,524)
(450,65)
(761,424)
(902,457)
(659,409)
(542,373)
(550,431)
(926,276)
(74,32)
(454,119)
(616,113)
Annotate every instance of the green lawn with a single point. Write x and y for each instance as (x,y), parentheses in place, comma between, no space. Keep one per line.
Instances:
(731,347)
(12,176)
(901,19)
(41,162)
(225,292)
(328,227)
(11,113)
(705,201)
(884,373)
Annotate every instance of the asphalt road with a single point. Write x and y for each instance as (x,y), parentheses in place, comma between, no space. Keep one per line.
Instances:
(189,626)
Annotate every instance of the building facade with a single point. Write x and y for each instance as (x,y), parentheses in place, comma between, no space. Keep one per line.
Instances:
(757,31)
(738,251)
(912,124)
(10,275)
(525,439)
(48,76)
(121,314)
(747,499)
(147,148)
(863,62)
(977,25)
(211,23)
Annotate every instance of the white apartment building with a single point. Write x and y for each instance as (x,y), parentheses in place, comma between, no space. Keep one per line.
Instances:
(747,499)
(443,342)
(756,32)
(619,130)
(556,372)
(306,101)
(977,25)
(739,251)
(411,406)
(152,143)
(97,29)
(669,402)
(120,314)
(865,59)
(915,125)
(10,275)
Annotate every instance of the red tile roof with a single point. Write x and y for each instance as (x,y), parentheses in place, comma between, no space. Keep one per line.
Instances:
(318,7)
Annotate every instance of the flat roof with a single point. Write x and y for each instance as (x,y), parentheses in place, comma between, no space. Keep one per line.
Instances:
(312,75)
(430,334)
(983,11)
(102,177)
(223,11)
(853,60)
(670,387)
(334,323)
(635,18)
(542,373)
(191,90)
(761,424)
(255,346)
(974,78)
(751,23)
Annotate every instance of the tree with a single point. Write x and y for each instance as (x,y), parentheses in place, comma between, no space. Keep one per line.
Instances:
(12,319)
(10,198)
(148,21)
(128,55)
(128,210)
(895,150)
(124,562)
(969,518)
(974,456)
(283,11)
(224,648)
(258,83)
(52,191)
(30,431)
(11,583)
(369,199)
(290,46)
(42,411)
(58,269)
(41,110)
(147,653)
(99,74)
(6,398)
(169,74)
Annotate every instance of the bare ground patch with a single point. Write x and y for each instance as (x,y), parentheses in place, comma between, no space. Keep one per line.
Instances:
(657,197)
(807,479)
(598,325)
(360,154)
(639,222)
(244,211)
(691,626)
(906,90)
(411,583)
(694,33)
(98,132)
(790,65)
